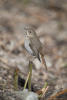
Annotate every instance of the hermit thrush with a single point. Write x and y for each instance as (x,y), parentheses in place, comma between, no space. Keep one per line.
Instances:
(33,45)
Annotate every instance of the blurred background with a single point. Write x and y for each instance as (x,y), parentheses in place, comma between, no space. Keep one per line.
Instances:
(49,18)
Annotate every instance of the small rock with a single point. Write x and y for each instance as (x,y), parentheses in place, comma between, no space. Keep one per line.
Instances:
(26,95)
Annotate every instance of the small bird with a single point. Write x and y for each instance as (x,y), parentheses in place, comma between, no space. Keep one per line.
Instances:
(33,45)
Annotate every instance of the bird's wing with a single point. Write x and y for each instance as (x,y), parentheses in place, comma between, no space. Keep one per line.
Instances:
(35,51)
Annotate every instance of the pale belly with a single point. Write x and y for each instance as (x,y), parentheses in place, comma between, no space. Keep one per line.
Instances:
(26,44)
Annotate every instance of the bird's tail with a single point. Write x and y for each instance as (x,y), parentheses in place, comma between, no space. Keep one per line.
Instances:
(43,62)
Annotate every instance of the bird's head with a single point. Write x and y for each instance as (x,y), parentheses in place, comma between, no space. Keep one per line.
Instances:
(29,32)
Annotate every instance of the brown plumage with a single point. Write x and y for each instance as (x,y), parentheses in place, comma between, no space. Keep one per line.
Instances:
(33,45)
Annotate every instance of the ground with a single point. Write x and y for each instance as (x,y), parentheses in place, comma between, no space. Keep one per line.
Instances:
(51,27)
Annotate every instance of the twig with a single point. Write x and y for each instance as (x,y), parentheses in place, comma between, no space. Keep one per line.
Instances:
(43,90)
(16,79)
(30,70)
(27,80)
